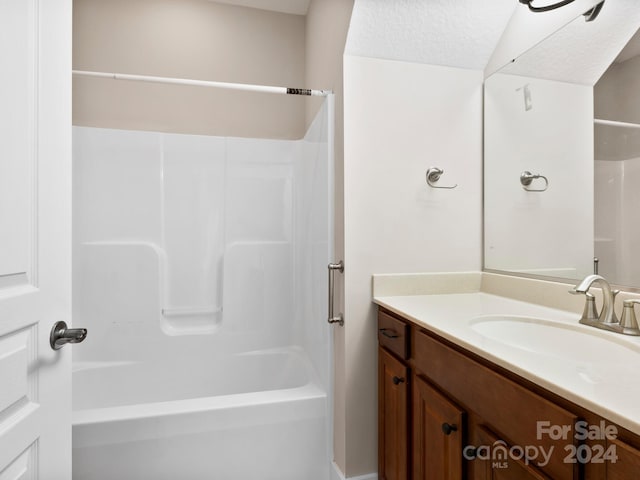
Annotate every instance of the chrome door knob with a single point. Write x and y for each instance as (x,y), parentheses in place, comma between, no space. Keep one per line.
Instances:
(61,335)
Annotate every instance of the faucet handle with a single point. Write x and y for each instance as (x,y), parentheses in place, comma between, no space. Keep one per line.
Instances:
(590,313)
(590,309)
(629,322)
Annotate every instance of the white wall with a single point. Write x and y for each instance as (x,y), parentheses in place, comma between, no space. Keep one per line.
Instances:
(553,138)
(400,119)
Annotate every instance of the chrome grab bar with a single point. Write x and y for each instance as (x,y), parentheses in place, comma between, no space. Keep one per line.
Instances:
(332,268)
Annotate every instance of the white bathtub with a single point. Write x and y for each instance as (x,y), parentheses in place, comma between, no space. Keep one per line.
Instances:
(256,416)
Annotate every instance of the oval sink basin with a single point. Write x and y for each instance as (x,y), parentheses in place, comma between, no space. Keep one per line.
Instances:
(573,343)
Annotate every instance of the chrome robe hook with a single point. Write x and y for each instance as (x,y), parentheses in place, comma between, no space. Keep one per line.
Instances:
(433,175)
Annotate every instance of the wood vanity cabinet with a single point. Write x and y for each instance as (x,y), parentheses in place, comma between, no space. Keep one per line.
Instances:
(447,414)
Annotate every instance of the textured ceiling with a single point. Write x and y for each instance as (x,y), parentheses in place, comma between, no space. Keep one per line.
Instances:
(456,33)
(297,7)
(581,52)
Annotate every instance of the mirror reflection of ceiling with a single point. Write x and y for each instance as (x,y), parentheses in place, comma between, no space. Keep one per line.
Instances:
(581,52)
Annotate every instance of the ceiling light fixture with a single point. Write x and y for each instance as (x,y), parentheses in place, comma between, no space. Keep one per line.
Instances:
(589,16)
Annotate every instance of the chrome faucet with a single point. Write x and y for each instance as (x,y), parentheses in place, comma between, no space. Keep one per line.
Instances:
(607,319)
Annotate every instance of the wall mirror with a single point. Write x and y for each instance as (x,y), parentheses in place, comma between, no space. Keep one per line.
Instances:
(562,154)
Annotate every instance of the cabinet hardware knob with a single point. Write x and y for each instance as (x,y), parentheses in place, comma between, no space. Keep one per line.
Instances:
(398,380)
(388,333)
(447,428)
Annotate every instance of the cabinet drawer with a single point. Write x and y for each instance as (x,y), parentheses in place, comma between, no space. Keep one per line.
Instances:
(505,406)
(393,334)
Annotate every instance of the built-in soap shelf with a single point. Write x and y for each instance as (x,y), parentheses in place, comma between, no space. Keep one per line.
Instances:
(188,311)
(188,320)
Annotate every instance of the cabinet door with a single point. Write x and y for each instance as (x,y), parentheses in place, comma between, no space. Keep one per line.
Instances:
(393,405)
(494,462)
(627,464)
(438,432)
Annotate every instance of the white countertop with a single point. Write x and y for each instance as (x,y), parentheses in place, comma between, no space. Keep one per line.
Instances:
(607,387)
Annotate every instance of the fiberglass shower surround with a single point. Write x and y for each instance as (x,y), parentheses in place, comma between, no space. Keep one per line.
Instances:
(200,271)
(202,213)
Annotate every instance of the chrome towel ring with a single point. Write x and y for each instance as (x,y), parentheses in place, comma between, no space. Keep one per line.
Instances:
(527,178)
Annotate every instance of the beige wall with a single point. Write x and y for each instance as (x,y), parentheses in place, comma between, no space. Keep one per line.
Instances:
(195,39)
(326,33)
(327,24)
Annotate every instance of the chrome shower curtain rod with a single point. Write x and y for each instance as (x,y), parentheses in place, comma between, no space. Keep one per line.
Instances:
(203,83)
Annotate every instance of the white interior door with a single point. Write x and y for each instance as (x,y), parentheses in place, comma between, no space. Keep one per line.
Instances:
(35,238)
